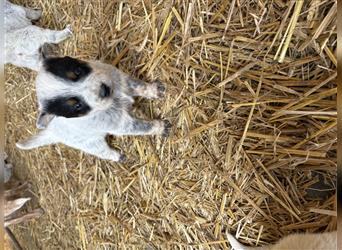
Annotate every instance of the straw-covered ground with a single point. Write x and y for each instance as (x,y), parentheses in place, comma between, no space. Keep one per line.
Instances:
(252,99)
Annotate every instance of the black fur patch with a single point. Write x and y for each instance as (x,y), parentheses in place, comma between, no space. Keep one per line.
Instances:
(68,107)
(67,68)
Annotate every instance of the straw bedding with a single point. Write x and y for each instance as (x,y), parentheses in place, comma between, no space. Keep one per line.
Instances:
(252,99)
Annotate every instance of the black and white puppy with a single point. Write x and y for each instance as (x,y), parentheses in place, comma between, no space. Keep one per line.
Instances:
(80,102)
(23,39)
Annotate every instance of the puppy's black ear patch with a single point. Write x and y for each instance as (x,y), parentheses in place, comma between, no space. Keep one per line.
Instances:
(67,106)
(67,68)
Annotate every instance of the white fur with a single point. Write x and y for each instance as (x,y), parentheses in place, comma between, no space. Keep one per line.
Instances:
(23,40)
(305,241)
(108,116)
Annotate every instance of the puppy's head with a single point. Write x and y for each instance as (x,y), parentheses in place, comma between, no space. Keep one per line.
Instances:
(70,88)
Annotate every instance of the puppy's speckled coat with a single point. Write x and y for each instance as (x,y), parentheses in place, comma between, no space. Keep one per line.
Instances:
(82,101)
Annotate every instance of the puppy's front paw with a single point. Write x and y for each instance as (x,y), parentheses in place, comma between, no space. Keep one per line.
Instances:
(68,29)
(159,89)
(122,158)
(167,128)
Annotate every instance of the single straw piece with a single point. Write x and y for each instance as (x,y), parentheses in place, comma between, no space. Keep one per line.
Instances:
(293,23)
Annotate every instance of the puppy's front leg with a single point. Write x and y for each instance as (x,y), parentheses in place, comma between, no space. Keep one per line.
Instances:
(135,87)
(43,138)
(37,37)
(57,36)
(135,126)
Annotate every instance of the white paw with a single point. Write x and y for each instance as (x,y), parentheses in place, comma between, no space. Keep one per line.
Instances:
(68,29)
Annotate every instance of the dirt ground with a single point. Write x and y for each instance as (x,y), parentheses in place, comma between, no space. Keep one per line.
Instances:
(253,137)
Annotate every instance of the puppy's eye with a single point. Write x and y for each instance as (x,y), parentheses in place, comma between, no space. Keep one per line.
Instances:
(78,106)
(74,103)
(104,91)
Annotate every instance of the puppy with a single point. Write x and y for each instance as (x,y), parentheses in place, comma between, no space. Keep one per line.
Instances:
(309,241)
(23,40)
(82,101)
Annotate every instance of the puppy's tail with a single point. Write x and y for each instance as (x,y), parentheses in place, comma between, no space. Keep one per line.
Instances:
(238,246)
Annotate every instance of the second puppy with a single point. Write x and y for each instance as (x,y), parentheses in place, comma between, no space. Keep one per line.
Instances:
(23,40)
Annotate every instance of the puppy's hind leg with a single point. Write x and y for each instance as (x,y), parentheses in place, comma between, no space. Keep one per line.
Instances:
(99,147)
(41,139)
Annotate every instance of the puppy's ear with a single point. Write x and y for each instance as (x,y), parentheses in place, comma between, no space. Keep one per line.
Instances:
(44,119)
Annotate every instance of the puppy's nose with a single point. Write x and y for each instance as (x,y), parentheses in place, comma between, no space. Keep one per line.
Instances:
(104,91)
